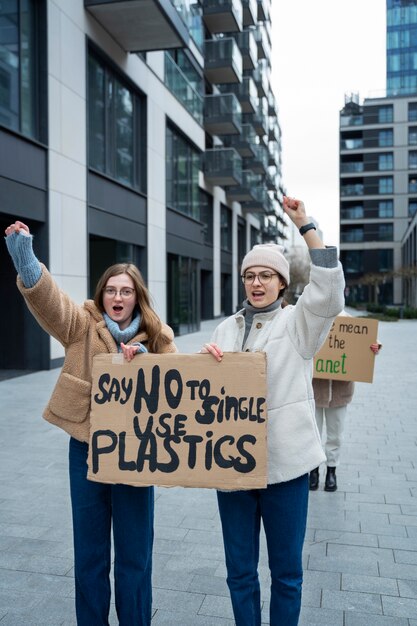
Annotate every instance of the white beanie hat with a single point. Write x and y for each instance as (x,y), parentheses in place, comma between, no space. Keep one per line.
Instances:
(268,255)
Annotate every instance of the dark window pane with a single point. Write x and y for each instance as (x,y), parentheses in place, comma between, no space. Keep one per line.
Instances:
(96,109)
(123,133)
(183,164)
(9,64)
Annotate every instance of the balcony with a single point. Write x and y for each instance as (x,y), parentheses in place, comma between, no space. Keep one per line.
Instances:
(223,16)
(351,144)
(264,9)
(246,191)
(274,131)
(352,190)
(250,12)
(258,163)
(352,167)
(259,119)
(274,153)
(182,89)
(246,93)
(271,179)
(245,143)
(272,105)
(141,25)
(223,167)
(248,47)
(262,76)
(261,38)
(351,120)
(223,61)
(222,114)
(260,203)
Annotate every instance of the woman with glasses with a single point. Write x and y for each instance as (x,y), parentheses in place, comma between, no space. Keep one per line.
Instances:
(290,336)
(119,319)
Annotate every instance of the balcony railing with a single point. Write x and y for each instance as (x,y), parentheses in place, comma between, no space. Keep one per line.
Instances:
(223,16)
(274,153)
(223,167)
(352,190)
(223,61)
(182,89)
(261,38)
(274,131)
(250,12)
(248,47)
(222,114)
(262,76)
(351,144)
(245,143)
(245,192)
(351,120)
(259,119)
(259,162)
(246,93)
(352,167)
(160,27)
(264,9)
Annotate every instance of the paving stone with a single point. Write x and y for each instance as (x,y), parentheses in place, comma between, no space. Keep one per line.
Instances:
(408,588)
(217,606)
(311,616)
(355,618)
(178,618)
(352,601)
(399,607)
(168,599)
(370,584)
(347,539)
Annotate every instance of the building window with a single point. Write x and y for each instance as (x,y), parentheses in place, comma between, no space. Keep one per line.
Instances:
(352,261)
(412,160)
(412,111)
(385,208)
(412,135)
(385,232)
(385,114)
(385,138)
(182,167)
(385,260)
(22,67)
(225,228)
(412,184)
(206,216)
(385,185)
(412,208)
(386,161)
(116,133)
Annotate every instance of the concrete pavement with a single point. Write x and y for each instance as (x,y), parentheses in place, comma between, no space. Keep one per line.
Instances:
(360,554)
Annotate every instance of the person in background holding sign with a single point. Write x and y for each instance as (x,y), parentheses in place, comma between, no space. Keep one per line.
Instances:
(119,319)
(290,336)
(332,398)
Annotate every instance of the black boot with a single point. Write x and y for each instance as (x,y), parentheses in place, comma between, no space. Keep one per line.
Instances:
(331,482)
(314,479)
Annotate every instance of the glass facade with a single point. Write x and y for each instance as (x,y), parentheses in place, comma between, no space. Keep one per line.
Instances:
(401,47)
(22,67)
(185,82)
(183,294)
(182,167)
(116,134)
(225,228)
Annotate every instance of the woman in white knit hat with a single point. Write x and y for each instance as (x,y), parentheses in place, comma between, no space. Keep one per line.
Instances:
(290,336)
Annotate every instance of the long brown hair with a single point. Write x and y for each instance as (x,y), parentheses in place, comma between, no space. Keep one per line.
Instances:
(150,322)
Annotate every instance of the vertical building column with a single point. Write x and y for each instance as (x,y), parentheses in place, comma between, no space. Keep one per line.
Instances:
(156,248)
(234,256)
(67,133)
(217,271)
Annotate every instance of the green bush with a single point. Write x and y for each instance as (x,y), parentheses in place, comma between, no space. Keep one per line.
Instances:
(410,313)
(391,311)
(375,308)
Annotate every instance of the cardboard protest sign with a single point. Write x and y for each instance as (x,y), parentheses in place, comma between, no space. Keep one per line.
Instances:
(179,419)
(345,354)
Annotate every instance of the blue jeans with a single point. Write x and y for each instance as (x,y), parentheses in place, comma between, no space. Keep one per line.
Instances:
(94,506)
(283,510)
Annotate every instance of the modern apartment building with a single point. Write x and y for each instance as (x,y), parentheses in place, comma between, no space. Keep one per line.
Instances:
(145,131)
(401,47)
(378,193)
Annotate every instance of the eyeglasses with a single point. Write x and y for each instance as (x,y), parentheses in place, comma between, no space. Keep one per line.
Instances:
(125,292)
(263,277)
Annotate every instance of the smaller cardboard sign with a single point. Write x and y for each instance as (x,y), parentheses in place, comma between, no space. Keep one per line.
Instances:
(179,420)
(346,353)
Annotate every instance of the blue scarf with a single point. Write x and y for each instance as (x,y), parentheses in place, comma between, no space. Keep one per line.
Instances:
(122,335)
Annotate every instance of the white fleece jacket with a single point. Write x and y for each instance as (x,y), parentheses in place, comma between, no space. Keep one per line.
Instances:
(290,336)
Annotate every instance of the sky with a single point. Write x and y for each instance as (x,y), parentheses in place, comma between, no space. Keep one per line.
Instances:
(321,50)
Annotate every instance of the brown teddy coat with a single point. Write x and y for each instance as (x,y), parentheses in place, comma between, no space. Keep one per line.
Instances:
(82,331)
(332,393)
